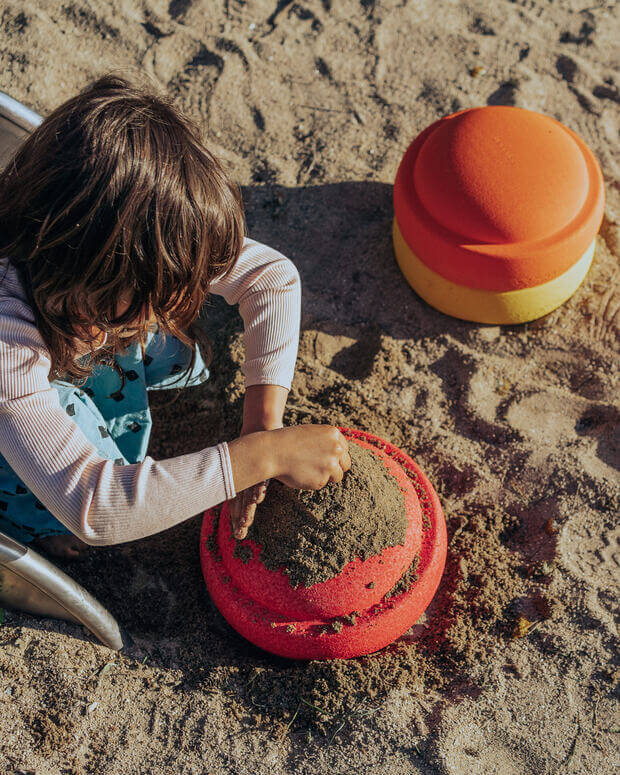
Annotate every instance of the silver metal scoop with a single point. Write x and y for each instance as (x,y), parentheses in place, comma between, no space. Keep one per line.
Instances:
(16,122)
(29,582)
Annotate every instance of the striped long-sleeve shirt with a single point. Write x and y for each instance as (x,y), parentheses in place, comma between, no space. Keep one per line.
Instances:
(98,501)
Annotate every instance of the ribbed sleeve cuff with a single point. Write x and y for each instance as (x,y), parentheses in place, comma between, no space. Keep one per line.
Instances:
(255,377)
(229,483)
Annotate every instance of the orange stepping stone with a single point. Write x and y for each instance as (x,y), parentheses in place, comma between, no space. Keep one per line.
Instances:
(496,213)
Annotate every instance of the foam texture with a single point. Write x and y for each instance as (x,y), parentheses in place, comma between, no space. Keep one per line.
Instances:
(498,198)
(481,306)
(265,620)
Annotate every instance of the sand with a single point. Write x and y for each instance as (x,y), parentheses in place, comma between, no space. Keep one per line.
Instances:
(313,534)
(312,104)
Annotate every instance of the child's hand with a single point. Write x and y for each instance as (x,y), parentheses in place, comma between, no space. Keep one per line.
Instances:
(305,457)
(243,508)
(310,456)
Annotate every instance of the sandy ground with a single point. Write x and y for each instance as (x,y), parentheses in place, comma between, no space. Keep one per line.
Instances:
(312,105)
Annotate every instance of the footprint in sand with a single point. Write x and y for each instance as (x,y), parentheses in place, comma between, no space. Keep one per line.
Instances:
(289,8)
(578,78)
(178,8)
(583,37)
(602,423)
(555,420)
(193,86)
(505,94)
(87,21)
(546,418)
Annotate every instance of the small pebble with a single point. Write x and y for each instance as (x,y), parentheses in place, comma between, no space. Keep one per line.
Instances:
(489,333)
(463,568)
(522,625)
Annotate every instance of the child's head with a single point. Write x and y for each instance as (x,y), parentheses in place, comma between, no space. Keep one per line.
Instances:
(116,216)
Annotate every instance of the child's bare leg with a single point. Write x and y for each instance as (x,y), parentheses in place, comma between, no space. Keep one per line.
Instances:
(65,547)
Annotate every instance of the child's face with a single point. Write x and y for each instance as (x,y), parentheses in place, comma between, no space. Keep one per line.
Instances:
(99,336)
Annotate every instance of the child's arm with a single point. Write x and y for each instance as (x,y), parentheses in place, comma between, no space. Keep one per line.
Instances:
(263,409)
(107,504)
(267,289)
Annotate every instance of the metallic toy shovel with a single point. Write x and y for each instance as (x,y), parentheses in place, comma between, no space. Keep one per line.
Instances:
(16,122)
(29,582)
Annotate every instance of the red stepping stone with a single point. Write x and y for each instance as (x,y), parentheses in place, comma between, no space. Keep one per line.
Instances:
(315,622)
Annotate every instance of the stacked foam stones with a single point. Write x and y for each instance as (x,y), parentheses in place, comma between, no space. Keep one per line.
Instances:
(496,214)
(365,607)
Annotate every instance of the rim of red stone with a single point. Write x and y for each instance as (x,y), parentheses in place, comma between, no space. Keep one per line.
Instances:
(372,629)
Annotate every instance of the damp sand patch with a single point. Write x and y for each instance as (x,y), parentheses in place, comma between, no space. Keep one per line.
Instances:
(314,534)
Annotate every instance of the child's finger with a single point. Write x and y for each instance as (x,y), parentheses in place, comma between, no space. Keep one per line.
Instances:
(245,506)
(236,510)
(259,492)
(247,517)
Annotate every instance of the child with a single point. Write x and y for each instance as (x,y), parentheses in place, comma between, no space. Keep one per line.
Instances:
(115,225)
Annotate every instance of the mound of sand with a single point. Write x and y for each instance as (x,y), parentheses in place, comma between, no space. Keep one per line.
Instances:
(314,534)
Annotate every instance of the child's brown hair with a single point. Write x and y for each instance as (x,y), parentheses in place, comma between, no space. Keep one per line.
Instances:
(114,198)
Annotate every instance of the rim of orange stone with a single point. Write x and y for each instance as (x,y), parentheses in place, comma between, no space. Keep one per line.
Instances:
(374,628)
(498,198)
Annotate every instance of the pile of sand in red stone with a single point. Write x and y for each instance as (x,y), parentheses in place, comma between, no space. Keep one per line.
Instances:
(315,533)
